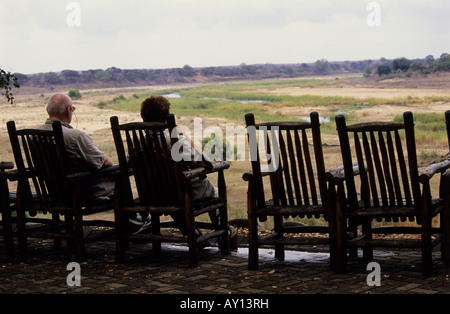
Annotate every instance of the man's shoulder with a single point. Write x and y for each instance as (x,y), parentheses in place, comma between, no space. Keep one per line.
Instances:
(67,131)
(44,127)
(49,122)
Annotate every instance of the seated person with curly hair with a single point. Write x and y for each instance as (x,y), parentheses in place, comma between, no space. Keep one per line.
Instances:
(156,109)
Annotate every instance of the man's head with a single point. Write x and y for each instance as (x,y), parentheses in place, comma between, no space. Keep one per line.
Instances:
(155,109)
(59,106)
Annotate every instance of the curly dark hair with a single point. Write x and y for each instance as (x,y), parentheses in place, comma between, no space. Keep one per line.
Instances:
(155,109)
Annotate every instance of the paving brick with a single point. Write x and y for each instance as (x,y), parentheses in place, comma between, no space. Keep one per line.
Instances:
(408,287)
(424,291)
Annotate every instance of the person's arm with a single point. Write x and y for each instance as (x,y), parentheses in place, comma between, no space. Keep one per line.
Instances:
(93,156)
(203,162)
(107,163)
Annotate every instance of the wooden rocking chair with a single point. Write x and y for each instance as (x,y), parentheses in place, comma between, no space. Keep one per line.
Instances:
(163,187)
(298,185)
(390,188)
(44,187)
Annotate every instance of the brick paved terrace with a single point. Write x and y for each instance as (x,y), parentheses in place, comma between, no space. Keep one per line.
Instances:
(44,271)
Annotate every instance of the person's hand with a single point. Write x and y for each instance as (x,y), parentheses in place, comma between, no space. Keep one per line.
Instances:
(108,163)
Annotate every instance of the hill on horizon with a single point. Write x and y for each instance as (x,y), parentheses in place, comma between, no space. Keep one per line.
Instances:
(116,77)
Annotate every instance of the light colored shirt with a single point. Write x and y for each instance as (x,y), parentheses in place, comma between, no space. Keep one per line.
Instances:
(82,155)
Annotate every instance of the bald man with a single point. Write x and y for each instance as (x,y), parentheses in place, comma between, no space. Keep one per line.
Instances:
(82,154)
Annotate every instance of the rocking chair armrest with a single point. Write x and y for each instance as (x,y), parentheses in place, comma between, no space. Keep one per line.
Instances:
(431,170)
(219,166)
(6,165)
(203,171)
(4,175)
(194,173)
(102,173)
(13,175)
(10,175)
(247,176)
(337,175)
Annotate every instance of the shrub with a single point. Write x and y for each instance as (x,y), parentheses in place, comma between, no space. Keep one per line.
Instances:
(101,104)
(383,69)
(401,64)
(7,80)
(119,98)
(74,94)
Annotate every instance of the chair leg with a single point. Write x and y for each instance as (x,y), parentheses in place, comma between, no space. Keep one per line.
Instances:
(193,249)
(427,248)
(367,251)
(79,238)
(445,225)
(56,221)
(224,241)
(331,203)
(341,248)
(121,222)
(341,235)
(193,255)
(121,236)
(78,225)
(445,245)
(21,230)
(8,233)
(332,241)
(69,226)
(191,236)
(253,243)
(156,230)
(427,258)
(279,248)
(353,228)
(5,210)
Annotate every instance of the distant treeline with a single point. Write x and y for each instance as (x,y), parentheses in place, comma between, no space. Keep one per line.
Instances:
(422,66)
(115,77)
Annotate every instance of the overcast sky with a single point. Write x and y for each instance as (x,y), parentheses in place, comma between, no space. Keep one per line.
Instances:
(54,35)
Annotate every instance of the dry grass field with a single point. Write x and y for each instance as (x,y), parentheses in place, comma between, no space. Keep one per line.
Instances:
(29,111)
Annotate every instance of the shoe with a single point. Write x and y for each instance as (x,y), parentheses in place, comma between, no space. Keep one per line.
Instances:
(145,228)
(139,224)
(201,245)
(232,238)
